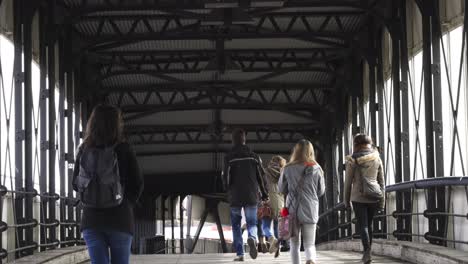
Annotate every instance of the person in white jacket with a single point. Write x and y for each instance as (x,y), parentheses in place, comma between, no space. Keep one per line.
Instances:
(303,183)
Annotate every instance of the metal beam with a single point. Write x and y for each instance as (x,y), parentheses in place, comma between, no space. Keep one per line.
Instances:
(156,108)
(204,35)
(214,85)
(217,99)
(156,72)
(209,52)
(87,7)
(138,129)
(207,151)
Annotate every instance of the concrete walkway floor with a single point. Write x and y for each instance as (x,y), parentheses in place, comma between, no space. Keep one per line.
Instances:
(329,257)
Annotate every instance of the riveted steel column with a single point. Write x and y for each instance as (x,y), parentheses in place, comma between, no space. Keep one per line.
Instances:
(372,82)
(43,121)
(396,36)
(427,72)
(438,123)
(381,118)
(62,136)
(406,171)
(181,224)
(70,154)
(437,88)
(77,134)
(171,206)
(28,13)
(19,132)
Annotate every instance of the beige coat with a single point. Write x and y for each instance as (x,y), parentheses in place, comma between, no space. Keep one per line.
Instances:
(276,198)
(357,166)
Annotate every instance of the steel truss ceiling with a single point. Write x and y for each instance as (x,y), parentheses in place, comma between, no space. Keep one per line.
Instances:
(155,57)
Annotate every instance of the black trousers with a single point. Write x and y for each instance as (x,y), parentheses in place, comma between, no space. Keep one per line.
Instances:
(364,213)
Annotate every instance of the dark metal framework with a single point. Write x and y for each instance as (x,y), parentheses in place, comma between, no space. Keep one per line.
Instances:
(102,52)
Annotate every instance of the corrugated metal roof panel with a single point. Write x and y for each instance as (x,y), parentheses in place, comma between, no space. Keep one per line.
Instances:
(131,79)
(168,45)
(278,43)
(193,117)
(302,77)
(259,116)
(351,23)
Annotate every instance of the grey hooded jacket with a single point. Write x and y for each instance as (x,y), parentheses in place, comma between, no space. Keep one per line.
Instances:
(305,202)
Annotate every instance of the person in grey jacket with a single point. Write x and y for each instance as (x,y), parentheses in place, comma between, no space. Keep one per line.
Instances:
(303,202)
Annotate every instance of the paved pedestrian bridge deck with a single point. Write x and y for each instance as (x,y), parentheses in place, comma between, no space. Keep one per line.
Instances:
(384,251)
(329,257)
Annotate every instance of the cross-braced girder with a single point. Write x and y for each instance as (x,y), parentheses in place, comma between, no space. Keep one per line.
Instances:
(209,134)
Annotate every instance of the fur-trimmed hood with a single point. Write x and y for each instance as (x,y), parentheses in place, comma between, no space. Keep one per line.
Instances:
(363,158)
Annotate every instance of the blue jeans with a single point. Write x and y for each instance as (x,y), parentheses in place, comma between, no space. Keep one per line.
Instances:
(100,241)
(267,227)
(251,219)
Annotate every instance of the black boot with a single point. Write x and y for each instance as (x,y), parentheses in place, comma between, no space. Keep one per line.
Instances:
(366,257)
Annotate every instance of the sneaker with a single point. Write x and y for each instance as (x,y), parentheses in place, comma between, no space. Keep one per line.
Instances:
(310,262)
(239,258)
(252,248)
(273,244)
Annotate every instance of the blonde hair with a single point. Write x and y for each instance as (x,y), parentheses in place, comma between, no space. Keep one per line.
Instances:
(303,152)
(279,160)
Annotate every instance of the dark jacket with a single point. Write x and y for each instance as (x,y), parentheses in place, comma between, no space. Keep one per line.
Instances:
(119,218)
(243,176)
(363,164)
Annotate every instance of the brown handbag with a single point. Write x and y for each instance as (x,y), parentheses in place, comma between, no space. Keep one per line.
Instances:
(264,211)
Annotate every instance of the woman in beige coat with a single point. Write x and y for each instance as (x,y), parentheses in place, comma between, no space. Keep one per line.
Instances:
(364,188)
(273,173)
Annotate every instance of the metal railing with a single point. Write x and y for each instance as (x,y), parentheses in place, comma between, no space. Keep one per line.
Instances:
(337,223)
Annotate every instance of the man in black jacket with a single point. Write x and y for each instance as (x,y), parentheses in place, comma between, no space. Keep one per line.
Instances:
(243,178)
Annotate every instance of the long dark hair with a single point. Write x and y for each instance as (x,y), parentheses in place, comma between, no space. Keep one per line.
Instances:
(105,126)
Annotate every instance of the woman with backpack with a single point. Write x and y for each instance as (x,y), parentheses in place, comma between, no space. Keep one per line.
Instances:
(364,188)
(109,183)
(303,183)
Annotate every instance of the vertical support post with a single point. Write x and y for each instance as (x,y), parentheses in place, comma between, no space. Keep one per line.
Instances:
(62,135)
(381,118)
(163,211)
(354,109)
(28,120)
(406,171)
(438,123)
(19,132)
(181,224)
(437,88)
(396,36)
(429,109)
(77,143)
(372,82)
(189,223)
(171,206)
(43,121)
(51,37)
(70,155)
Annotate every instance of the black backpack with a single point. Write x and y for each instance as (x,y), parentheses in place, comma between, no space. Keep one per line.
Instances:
(98,181)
